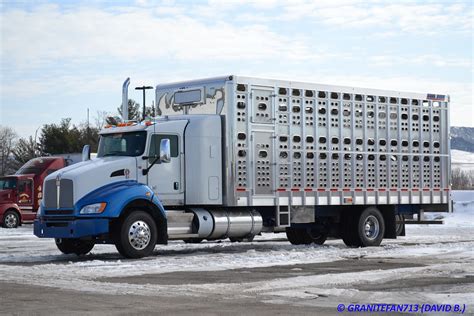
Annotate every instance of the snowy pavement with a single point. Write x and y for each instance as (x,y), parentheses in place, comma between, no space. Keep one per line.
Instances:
(432,264)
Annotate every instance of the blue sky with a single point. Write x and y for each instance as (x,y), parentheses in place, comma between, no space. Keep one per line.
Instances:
(59,58)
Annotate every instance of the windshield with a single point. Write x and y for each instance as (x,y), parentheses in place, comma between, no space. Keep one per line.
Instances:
(122,144)
(7,183)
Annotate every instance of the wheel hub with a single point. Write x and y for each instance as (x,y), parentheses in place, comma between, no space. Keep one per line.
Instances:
(371,227)
(139,235)
(10,220)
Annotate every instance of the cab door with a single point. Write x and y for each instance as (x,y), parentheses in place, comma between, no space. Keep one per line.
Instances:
(25,198)
(167,179)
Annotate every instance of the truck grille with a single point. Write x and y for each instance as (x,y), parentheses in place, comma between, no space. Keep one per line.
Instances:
(58,212)
(66,199)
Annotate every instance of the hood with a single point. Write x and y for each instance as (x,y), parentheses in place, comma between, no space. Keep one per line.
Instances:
(89,175)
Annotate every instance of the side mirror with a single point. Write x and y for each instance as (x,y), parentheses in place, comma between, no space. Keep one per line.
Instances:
(86,152)
(165,150)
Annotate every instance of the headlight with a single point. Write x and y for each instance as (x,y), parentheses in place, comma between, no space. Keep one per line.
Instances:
(96,208)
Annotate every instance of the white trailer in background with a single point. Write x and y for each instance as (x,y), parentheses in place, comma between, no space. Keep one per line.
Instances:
(233,156)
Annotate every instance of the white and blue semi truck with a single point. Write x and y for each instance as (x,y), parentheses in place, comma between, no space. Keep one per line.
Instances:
(231,157)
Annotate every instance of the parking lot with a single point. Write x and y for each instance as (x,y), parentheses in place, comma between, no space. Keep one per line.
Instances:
(432,264)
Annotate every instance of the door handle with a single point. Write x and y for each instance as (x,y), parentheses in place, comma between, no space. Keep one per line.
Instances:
(176,185)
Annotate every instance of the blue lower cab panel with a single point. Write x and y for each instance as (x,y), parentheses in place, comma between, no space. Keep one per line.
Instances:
(71,229)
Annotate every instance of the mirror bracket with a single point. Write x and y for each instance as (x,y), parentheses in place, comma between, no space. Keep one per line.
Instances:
(164,157)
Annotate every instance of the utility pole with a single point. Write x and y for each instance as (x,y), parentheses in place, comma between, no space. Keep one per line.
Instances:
(143,88)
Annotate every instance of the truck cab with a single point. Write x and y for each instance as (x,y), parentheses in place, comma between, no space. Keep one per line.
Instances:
(21,193)
(139,145)
(140,169)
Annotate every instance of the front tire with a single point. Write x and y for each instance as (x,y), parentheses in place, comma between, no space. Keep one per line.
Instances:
(136,236)
(11,219)
(73,245)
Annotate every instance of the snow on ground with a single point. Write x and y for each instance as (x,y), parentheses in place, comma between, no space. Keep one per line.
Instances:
(448,248)
(462,197)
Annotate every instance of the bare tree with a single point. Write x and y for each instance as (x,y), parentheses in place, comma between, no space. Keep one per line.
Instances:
(7,141)
(25,150)
(462,180)
(100,119)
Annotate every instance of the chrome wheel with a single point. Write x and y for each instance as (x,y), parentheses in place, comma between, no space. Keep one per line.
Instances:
(136,235)
(10,220)
(139,235)
(371,227)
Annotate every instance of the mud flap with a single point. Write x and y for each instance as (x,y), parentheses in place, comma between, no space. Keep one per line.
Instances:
(388,213)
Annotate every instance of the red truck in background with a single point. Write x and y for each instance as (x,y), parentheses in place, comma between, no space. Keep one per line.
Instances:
(21,193)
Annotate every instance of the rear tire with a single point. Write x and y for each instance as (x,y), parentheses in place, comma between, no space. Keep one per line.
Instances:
(348,228)
(400,227)
(301,236)
(244,239)
(136,236)
(294,236)
(193,240)
(74,245)
(371,227)
(317,237)
(11,219)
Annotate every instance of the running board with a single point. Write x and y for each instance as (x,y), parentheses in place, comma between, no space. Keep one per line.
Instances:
(183,236)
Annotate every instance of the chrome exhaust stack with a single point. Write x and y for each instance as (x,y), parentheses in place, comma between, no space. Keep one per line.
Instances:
(125,85)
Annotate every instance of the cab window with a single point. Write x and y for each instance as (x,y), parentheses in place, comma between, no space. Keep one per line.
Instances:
(155,145)
(7,183)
